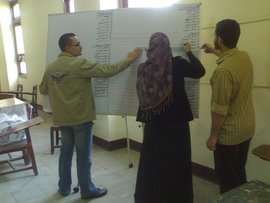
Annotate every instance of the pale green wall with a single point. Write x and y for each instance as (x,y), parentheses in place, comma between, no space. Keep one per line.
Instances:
(34,18)
(8,78)
(254,18)
(3,70)
(86,5)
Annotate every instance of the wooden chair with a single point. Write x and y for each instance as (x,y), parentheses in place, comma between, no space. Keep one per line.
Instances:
(262,151)
(25,146)
(25,155)
(32,101)
(55,136)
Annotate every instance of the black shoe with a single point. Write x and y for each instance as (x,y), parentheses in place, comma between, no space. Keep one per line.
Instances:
(99,193)
(64,193)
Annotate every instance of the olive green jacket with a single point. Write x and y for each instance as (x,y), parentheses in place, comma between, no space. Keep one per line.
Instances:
(67,82)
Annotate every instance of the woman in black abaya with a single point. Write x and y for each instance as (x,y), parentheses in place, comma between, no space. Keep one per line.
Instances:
(164,173)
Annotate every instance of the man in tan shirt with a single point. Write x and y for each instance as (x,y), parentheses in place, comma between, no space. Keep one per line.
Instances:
(232,111)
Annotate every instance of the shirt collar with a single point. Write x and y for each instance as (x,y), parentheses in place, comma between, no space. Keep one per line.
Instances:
(223,56)
(65,54)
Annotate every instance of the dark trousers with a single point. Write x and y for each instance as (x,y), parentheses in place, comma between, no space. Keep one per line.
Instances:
(230,162)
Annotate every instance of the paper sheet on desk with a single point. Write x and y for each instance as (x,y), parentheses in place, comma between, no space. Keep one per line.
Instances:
(8,121)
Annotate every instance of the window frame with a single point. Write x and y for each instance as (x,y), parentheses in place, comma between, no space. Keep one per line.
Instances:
(122,3)
(66,4)
(19,57)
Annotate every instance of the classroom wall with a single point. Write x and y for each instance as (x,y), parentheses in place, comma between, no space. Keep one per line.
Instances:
(2,61)
(34,18)
(3,69)
(82,5)
(254,19)
(7,77)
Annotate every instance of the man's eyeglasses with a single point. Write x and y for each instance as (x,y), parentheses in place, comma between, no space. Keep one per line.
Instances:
(75,45)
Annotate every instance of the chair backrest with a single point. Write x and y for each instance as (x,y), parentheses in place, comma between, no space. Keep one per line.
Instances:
(34,96)
(20,90)
(34,101)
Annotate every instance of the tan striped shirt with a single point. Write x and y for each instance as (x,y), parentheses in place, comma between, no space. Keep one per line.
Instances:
(231,84)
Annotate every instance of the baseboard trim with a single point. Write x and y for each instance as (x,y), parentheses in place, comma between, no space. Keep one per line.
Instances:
(197,169)
(204,172)
(110,145)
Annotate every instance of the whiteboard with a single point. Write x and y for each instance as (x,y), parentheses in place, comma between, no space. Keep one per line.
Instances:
(107,36)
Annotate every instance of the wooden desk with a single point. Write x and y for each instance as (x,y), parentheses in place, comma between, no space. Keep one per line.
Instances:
(251,192)
(6,96)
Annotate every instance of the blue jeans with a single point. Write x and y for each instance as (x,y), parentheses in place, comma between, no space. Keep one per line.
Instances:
(81,137)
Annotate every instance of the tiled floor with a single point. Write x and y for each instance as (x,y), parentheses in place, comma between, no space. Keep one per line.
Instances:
(110,169)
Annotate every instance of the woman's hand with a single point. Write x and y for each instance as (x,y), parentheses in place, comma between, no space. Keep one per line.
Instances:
(186,46)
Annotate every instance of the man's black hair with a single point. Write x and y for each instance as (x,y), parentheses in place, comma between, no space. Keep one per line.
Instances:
(229,31)
(65,40)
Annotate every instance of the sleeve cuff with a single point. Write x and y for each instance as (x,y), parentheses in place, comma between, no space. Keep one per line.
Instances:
(220,109)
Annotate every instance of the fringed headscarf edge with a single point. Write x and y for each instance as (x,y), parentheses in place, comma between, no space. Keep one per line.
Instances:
(146,114)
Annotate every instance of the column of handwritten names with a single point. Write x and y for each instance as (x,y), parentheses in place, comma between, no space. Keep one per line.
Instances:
(102,50)
(191,32)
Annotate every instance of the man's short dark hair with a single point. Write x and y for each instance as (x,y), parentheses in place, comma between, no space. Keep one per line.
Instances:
(229,31)
(65,40)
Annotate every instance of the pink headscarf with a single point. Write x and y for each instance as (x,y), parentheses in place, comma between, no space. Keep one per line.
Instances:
(154,77)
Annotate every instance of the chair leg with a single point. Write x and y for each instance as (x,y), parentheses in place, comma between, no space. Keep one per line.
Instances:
(26,157)
(57,138)
(33,160)
(52,140)
(34,111)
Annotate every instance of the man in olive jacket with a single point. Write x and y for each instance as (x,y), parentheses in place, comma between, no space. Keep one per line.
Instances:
(67,82)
